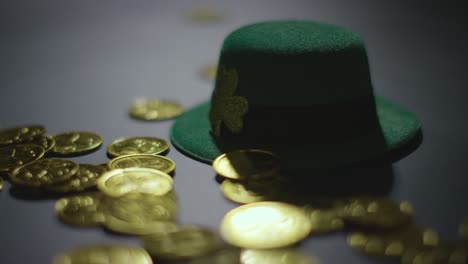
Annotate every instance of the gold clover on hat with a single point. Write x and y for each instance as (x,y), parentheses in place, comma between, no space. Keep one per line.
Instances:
(226,107)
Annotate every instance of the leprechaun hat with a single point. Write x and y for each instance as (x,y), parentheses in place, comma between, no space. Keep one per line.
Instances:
(301,89)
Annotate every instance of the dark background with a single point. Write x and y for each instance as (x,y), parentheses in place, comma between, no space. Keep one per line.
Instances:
(79,64)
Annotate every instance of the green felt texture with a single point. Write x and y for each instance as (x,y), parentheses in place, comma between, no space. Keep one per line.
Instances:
(297,63)
(191,135)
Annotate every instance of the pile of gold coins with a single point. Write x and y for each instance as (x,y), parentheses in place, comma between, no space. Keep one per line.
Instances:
(277,215)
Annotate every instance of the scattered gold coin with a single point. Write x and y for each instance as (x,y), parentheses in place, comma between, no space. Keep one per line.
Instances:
(441,254)
(82,210)
(22,134)
(183,243)
(47,143)
(104,254)
(206,15)
(76,143)
(119,182)
(44,172)
(265,225)
(393,243)
(137,145)
(150,161)
(208,72)
(140,214)
(13,156)
(463,229)
(238,193)
(324,221)
(155,109)
(247,165)
(275,256)
(376,212)
(85,178)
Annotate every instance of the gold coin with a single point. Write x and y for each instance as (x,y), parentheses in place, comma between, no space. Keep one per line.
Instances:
(247,164)
(23,134)
(141,214)
(104,254)
(149,161)
(275,256)
(1,184)
(441,254)
(13,156)
(85,178)
(238,193)
(376,212)
(47,143)
(155,109)
(82,210)
(265,225)
(76,143)
(324,220)
(209,72)
(44,172)
(463,229)
(393,243)
(206,15)
(183,243)
(118,182)
(137,145)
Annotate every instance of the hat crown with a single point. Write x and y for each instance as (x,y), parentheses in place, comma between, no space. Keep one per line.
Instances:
(296,63)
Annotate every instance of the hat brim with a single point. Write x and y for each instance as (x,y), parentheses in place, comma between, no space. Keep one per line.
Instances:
(399,129)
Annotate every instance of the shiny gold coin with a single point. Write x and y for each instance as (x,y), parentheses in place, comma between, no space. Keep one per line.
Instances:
(1,184)
(13,156)
(275,256)
(155,109)
(149,161)
(137,145)
(376,212)
(47,143)
(141,214)
(324,221)
(85,178)
(76,143)
(238,193)
(265,225)
(183,243)
(23,134)
(209,72)
(81,210)
(44,172)
(104,254)
(393,243)
(206,15)
(463,229)
(247,164)
(118,182)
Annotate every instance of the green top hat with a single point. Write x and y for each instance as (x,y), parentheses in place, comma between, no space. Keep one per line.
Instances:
(301,89)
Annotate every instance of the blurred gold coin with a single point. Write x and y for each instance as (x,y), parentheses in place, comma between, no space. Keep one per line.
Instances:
(137,145)
(324,221)
(393,243)
(118,182)
(376,212)
(13,156)
(76,143)
(22,134)
(183,243)
(85,178)
(238,193)
(44,172)
(149,161)
(141,214)
(82,210)
(441,254)
(104,254)
(208,72)
(463,229)
(155,109)
(265,225)
(275,256)
(47,143)
(247,164)
(206,15)
(1,184)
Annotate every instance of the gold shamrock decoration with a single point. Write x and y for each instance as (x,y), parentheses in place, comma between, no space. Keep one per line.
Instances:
(226,107)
